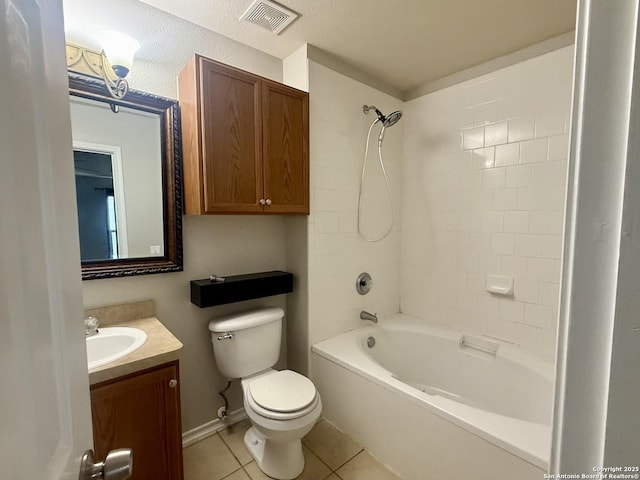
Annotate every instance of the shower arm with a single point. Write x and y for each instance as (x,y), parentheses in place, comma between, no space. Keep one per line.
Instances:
(367,108)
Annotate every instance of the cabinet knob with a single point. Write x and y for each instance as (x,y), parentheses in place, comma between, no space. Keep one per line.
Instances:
(173,383)
(268,201)
(262,201)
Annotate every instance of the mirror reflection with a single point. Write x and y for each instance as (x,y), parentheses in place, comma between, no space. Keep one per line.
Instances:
(118,181)
(101,229)
(127,159)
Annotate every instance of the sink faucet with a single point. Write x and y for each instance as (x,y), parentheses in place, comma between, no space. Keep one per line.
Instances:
(91,326)
(372,317)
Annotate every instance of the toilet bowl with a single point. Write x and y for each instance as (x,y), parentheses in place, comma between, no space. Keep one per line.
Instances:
(282,405)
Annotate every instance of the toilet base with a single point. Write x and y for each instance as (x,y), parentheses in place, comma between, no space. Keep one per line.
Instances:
(280,460)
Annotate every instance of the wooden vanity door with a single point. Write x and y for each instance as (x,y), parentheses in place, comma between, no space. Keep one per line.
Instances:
(285,120)
(141,411)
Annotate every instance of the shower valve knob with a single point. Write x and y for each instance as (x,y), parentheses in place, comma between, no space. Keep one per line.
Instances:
(268,201)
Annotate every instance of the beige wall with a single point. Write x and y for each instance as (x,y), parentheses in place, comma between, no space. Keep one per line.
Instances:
(223,245)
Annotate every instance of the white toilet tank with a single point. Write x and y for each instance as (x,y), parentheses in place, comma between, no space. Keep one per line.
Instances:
(247,342)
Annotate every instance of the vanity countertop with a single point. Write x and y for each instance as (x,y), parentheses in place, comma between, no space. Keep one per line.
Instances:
(161,347)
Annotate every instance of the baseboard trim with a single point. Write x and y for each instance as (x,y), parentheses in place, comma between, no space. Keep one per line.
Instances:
(210,428)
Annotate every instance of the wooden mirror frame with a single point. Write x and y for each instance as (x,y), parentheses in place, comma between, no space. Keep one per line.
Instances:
(171,159)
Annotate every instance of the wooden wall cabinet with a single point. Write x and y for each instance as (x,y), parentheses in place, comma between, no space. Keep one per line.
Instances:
(245,142)
(141,411)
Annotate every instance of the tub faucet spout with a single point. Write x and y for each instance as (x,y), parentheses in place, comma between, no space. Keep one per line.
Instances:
(372,317)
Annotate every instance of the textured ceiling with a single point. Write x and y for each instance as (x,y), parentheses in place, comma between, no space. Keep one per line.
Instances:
(403,43)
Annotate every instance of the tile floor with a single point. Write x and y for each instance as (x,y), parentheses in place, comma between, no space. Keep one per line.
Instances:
(329,455)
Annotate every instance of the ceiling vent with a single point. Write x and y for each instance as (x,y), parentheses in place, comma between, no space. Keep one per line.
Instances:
(269,15)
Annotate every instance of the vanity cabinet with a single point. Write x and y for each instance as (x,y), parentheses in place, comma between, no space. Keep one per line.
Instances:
(141,411)
(245,142)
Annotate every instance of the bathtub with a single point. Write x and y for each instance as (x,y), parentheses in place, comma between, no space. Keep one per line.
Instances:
(432,403)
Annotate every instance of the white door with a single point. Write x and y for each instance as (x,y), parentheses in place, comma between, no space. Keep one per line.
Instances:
(45,422)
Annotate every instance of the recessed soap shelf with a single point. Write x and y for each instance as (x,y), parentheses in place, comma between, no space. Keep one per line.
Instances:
(500,285)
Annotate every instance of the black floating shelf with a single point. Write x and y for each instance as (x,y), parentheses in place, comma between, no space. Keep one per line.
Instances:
(237,288)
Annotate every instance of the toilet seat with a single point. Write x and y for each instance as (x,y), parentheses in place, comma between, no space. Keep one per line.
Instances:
(282,391)
(281,395)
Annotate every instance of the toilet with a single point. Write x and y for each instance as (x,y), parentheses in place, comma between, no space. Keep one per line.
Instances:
(282,405)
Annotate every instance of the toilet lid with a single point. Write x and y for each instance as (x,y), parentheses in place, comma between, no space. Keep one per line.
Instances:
(283,391)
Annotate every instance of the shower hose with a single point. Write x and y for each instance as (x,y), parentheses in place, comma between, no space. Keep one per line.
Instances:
(386,182)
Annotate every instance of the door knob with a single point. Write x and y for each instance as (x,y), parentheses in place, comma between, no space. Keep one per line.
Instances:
(262,201)
(117,466)
(268,201)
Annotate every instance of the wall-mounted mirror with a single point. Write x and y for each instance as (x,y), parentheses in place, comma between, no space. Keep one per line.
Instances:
(127,157)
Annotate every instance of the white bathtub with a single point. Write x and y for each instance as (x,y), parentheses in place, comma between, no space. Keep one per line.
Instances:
(430,406)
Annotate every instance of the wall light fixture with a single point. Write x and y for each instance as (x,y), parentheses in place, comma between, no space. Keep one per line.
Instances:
(112,64)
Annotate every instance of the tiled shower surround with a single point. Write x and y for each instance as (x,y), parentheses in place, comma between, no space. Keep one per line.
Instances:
(337,254)
(484,178)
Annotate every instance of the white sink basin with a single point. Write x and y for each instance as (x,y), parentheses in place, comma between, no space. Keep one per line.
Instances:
(113,343)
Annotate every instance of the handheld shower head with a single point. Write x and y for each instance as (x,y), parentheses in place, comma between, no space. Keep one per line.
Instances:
(392,118)
(387,121)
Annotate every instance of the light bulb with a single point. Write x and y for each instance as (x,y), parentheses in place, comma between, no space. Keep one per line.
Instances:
(119,48)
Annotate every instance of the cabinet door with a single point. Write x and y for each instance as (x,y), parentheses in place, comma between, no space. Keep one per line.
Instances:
(142,412)
(285,115)
(230,112)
